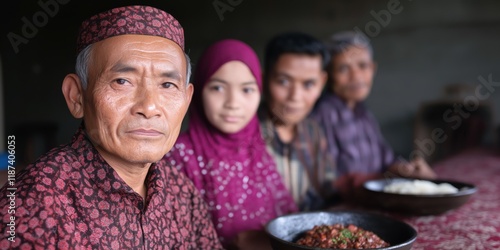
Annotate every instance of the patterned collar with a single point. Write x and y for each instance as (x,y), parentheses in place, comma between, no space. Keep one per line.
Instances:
(103,176)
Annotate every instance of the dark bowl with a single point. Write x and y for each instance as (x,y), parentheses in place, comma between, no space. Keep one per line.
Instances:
(416,204)
(285,230)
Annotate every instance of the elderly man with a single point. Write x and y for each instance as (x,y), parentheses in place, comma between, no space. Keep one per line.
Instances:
(103,190)
(354,138)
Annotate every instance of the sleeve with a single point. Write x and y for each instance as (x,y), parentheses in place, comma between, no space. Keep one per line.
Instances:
(325,118)
(387,154)
(205,236)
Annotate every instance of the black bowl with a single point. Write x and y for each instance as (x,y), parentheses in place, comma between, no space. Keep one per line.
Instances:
(284,231)
(416,204)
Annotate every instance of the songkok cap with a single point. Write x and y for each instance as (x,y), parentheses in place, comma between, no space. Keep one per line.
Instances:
(140,20)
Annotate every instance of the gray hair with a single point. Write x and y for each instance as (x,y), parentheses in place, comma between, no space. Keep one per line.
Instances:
(339,42)
(83,62)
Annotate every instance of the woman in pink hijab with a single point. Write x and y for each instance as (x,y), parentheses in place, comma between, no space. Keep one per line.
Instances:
(222,151)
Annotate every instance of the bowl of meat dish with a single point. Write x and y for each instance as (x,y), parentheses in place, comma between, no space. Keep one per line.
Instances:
(339,230)
(419,197)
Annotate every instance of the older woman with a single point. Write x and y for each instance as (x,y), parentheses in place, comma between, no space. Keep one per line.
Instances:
(222,151)
(353,134)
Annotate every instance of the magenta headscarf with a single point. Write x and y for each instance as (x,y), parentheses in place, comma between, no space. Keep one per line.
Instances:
(209,139)
(234,173)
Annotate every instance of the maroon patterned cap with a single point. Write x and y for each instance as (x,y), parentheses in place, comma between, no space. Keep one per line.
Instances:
(141,20)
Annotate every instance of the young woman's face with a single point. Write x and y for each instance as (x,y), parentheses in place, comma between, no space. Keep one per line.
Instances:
(231,97)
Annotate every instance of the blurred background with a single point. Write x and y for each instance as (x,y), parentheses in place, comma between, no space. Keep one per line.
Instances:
(433,57)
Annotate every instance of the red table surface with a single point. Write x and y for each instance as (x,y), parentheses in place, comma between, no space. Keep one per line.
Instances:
(476,224)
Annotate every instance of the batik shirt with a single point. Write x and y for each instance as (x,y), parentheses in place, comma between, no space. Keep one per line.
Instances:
(70,198)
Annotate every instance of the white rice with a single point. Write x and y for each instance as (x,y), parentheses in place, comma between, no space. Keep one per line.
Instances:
(420,187)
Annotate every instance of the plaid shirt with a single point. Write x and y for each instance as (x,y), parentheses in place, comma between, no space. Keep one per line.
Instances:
(354,137)
(304,163)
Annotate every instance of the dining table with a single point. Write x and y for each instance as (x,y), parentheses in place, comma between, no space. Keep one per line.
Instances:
(475,224)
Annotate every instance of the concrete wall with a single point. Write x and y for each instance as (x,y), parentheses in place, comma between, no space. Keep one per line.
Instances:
(423,47)
(2,119)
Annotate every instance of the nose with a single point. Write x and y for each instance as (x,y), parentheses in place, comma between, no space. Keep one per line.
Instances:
(356,75)
(232,100)
(147,102)
(294,92)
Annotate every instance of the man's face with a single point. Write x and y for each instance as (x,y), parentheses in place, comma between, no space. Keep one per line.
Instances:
(352,74)
(136,97)
(231,97)
(295,84)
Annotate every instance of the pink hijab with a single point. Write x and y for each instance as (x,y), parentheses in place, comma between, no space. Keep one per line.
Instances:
(234,173)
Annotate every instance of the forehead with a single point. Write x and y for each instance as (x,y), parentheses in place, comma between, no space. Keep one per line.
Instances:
(292,60)
(352,53)
(298,65)
(142,50)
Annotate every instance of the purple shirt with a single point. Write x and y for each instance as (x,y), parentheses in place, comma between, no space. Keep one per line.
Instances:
(354,137)
(71,198)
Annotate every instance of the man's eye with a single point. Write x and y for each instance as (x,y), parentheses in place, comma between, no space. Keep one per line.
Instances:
(283,82)
(363,65)
(168,85)
(309,84)
(121,81)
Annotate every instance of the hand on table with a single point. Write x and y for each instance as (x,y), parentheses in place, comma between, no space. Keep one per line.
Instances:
(418,168)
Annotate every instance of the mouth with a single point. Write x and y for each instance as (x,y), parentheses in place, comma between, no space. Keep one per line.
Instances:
(230,119)
(145,132)
(292,110)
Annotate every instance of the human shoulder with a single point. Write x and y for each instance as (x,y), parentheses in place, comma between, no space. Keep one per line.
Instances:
(52,171)
(328,109)
(311,126)
(363,110)
(177,183)
(41,194)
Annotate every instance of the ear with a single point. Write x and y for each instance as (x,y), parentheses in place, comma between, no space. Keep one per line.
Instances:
(73,94)
(189,92)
